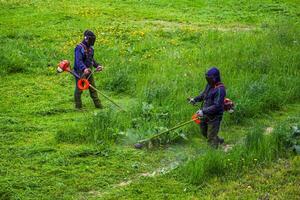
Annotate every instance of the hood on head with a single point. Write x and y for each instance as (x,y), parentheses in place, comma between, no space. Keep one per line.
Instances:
(213,74)
(89,38)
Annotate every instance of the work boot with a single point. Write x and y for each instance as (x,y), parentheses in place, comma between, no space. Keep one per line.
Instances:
(78,104)
(213,142)
(78,107)
(213,145)
(221,140)
(98,105)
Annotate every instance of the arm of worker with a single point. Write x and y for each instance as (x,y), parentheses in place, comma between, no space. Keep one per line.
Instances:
(97,65)
(218,103)
(202,95)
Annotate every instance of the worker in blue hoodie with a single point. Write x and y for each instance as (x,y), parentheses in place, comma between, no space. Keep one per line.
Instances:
(212,109)
(84,60)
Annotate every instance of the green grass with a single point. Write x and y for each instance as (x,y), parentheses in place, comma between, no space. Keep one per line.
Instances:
(155,54)
(257,150)
(247,171)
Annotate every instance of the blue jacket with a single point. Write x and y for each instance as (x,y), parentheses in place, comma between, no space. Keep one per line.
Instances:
(213,96)
(84,57)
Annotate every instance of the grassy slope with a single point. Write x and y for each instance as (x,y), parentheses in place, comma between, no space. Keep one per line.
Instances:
(33,163)
(34,106)
(277,181)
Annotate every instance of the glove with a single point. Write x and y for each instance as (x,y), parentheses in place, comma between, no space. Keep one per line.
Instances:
(99,68)
(230,111)
(86,71)
(191,100)
(200,113)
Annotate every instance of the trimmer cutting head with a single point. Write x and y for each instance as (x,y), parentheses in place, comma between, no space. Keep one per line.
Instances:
(138,145)
(148,142)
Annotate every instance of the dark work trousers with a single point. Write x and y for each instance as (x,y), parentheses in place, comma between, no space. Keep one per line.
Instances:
(93,94)
(209,128)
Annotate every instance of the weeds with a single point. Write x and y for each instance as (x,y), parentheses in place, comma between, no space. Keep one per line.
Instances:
(108,127)
(104,129)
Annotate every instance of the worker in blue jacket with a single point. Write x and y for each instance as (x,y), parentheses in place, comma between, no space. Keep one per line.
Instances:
(84,60)
(212,108)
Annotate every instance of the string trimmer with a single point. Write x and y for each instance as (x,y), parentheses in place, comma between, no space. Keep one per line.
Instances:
(228,107)
(141,143)
(83,83)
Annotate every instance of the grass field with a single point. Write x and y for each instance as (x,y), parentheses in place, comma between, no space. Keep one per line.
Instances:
(154,54)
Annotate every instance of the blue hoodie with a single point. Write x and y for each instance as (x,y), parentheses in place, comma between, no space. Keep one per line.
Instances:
(84,57)
(213,96)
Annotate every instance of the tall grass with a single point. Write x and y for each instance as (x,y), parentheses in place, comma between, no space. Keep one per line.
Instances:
(108,126)
(257,149)
(102,129)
